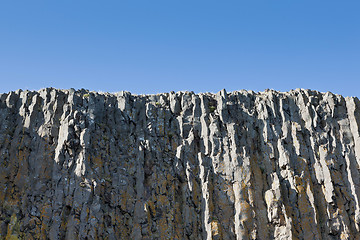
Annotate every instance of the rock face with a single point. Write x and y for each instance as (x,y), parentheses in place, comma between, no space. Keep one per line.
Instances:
(239,165)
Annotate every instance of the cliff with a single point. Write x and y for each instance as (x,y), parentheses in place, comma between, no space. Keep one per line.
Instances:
(239,165)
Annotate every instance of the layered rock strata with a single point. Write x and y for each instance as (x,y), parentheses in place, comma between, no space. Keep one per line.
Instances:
(239,165)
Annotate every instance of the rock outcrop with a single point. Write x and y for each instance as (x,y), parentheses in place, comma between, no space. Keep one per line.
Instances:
(239,165)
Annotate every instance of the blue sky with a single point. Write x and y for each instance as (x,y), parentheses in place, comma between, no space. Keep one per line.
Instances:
(159,46)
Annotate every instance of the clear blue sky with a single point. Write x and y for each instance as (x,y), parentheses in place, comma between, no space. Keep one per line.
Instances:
(154,46)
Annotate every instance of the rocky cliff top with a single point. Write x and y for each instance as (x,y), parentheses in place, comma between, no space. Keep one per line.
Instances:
(238,165)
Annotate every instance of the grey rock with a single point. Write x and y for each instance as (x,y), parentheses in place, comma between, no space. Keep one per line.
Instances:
(240,165)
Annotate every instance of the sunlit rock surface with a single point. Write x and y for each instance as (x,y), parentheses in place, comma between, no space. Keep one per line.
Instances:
(239,165)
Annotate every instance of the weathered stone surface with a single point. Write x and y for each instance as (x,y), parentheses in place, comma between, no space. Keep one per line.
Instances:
(239,165)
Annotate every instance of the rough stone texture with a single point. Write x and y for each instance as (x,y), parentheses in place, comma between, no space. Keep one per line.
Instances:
(239,165)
